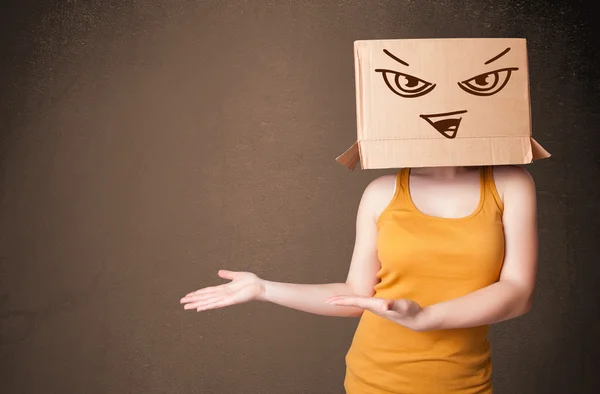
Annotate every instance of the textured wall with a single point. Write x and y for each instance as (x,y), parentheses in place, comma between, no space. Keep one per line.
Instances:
(146,144)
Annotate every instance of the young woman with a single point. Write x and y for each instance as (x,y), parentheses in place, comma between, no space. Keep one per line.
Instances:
(440,254)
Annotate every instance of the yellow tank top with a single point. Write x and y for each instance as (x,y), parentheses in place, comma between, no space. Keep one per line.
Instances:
(429,259)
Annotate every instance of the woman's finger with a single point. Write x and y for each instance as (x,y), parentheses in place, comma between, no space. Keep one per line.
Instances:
(205,301)
(371,303)
(348,301)
(341,300)
(202,297)
(204,290)
(216,304)
(338,297)
(225,274)
(386,305)
(401,306)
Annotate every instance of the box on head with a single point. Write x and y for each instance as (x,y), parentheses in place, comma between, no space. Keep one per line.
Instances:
(442,102)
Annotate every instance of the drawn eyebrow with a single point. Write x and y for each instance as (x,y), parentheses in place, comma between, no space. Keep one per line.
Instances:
(504,52)
(395,58)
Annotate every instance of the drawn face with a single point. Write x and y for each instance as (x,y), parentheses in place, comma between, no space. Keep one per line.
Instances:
(444,86)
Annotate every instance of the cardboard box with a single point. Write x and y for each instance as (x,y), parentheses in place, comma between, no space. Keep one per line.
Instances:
(442,102)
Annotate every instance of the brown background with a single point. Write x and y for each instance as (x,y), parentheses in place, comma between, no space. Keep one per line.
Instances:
(146,144)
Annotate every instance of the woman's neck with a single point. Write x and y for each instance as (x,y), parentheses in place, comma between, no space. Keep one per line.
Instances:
(441,172)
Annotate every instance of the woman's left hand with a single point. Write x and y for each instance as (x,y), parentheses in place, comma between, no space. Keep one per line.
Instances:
(405,312)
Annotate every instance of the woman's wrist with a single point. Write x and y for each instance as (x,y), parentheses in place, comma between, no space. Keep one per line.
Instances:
(263,286)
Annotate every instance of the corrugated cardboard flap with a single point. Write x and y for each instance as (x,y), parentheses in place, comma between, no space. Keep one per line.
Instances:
(538,151)
(350,158)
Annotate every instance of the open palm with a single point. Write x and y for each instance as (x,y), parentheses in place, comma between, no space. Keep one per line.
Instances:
(244,287)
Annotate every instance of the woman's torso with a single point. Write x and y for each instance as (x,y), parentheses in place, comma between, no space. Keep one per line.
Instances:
(429,259)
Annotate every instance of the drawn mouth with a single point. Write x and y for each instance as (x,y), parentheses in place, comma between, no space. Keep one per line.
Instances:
(447,125)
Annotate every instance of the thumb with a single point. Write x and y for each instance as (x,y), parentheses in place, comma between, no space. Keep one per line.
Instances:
(225,274)
(400,306)
(387,305)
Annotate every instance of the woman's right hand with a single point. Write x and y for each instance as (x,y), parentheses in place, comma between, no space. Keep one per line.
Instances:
(244,287)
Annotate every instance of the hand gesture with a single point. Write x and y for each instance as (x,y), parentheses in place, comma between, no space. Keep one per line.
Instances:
(405,312)
(244,287)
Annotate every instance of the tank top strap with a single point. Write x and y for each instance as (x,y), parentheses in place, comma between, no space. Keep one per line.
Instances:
(491,195)
(402,187)
(403,199)
(399,198)
(399,187)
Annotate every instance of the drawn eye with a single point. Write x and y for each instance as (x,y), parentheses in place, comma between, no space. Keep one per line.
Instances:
(487,84)
(405,85)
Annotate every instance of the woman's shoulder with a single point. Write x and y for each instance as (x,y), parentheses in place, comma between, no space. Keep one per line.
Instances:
(382,185)
(512,179)
(511,174)
(379,192)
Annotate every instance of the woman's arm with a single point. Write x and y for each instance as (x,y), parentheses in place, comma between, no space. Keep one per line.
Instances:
(510,297)
(361,279)
(308,297)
